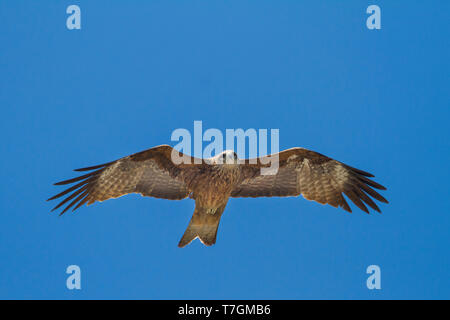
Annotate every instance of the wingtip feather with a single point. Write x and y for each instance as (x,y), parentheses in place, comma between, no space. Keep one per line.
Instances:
(93,167)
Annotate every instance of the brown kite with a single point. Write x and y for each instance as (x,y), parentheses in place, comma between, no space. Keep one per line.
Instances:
(211,182)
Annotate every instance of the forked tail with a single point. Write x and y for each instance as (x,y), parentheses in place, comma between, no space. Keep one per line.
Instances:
(203,225)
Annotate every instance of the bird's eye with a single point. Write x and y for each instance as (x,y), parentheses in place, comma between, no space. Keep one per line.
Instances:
(235,156)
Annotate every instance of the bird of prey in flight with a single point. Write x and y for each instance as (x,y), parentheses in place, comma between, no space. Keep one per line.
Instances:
(212,182)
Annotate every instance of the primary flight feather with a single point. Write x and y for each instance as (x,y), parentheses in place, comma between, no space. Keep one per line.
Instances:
(211,182)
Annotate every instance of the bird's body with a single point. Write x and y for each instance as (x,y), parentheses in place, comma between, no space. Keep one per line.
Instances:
(212,182)
(211,189)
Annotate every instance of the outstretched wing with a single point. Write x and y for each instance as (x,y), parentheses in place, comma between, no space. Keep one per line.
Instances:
(151,173)
(313,175)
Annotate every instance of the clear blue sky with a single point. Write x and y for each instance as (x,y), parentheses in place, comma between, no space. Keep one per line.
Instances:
(377,100)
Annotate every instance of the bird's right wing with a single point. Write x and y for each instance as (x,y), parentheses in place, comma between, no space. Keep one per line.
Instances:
(151,173)
(313,175)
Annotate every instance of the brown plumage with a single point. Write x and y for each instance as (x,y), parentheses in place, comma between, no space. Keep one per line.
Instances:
(211,182)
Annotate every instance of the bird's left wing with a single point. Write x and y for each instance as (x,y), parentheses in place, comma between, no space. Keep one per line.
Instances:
(311,174)
(150,173)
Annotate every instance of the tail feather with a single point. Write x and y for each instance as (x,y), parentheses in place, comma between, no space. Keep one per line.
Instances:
(203,225)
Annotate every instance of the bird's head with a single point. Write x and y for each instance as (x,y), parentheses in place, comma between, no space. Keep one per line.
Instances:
(228,157)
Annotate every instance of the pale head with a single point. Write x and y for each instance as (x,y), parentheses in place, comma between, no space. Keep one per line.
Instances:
(228,157)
